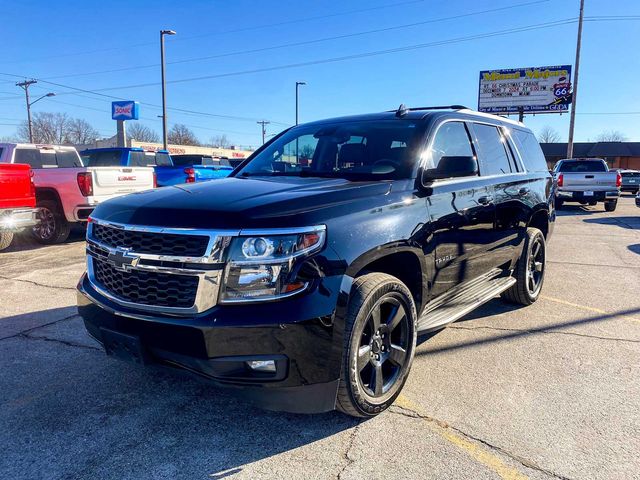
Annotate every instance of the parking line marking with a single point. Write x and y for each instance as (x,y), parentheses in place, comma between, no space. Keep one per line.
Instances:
(584,307)
(472,449)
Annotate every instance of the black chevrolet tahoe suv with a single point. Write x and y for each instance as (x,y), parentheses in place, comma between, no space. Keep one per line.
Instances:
(303,280)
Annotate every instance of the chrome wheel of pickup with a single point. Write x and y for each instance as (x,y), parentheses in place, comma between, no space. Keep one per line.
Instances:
(52,227)
(47,226)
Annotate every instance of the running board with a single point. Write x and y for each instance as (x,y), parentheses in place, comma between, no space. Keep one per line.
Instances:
(455,304)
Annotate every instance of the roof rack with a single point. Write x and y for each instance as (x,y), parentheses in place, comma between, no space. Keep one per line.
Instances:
(403,110)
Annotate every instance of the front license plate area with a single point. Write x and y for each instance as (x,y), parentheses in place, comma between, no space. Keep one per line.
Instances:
(124,347)
(588,193)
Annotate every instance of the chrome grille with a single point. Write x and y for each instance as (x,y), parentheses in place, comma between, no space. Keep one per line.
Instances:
(147,287)
(156,243)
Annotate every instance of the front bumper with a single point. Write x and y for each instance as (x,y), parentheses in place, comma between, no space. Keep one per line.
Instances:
(579,196)
(18,219)
(302,334)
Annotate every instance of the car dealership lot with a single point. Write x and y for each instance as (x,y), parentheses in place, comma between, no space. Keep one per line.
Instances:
(541,392)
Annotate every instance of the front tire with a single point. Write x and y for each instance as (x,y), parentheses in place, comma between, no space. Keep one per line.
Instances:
(5,240)
(379,344)
(53,227)
(530,270)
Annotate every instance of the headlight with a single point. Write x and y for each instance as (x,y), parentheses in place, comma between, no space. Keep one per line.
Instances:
(259,266)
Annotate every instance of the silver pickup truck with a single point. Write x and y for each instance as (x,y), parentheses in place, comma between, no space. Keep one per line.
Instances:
(586,181)
(66,190)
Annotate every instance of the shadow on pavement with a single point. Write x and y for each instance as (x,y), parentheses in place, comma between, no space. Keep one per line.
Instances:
(23,241)
(578,210)
(632,223)
(95,417)
(516,333)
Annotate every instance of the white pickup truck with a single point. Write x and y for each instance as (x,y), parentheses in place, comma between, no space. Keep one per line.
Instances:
(586,181)
(66,191)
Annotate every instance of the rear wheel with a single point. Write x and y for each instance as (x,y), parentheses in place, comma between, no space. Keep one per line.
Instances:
(593,202)
(610,206)
(529,272)
(5,239)
(559,204)
(52,227)
(379,344)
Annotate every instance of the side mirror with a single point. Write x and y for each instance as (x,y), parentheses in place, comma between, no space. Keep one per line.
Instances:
(451,167)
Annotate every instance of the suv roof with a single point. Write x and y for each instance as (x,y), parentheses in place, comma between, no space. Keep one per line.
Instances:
(421,113)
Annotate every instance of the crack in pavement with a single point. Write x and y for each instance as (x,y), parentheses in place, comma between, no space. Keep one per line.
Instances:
(552,332)
(2,277)
(349,461)
(57,340)
(28,330)
(407,412)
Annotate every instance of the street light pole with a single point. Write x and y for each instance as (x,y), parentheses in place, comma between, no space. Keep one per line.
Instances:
(25,86)
(164,100)
(574,95)
(298,85)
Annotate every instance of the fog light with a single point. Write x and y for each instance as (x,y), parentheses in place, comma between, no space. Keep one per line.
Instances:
(267,366)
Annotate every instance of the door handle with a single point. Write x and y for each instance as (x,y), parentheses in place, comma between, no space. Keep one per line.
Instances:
(523,191)
(486,200)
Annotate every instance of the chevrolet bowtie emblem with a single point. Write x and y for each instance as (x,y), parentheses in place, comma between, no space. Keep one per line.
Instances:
(122,259)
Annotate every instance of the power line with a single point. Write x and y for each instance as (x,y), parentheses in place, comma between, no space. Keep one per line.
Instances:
(305,42)
(224,32)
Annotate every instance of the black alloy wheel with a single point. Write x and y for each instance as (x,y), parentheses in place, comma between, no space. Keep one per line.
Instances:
(384,343)
(535,265)
(46,227)
(379,344)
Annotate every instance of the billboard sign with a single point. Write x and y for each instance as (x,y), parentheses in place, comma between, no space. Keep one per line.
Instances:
(126,110)
(531,90)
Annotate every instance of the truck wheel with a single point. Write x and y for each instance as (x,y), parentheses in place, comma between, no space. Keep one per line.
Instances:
(53,227)
(529,271)
(5,239)
(559,204)
(592,203)
(379,343)
(610,206)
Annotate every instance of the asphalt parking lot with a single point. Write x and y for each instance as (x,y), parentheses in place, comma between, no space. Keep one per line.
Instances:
(549,391)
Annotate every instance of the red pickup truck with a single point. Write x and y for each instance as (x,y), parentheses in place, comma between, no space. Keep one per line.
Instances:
(17,201)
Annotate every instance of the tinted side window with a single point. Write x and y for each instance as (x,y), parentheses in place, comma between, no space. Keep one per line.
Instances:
(452,140)
(30,156)
(530,150)
(493,155)
(68,158)
(139,159)
(108,158)
(163,159)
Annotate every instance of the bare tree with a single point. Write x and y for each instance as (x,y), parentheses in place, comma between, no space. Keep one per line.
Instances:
(80,132)
(142,133)
(220,141)
(47,128)
(611,136)
(181,135)
(548,135)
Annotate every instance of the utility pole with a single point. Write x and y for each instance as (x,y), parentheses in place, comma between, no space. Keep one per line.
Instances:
(164,87)
(264,124)
(298,85)
(574,95)
(25,86)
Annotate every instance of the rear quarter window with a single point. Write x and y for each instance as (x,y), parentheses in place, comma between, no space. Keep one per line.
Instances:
(30,156)
(530,151)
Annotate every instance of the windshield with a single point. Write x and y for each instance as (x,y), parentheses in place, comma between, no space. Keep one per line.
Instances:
(583,166)
(352,150)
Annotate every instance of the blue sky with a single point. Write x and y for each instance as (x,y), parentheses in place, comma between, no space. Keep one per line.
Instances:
(63,43)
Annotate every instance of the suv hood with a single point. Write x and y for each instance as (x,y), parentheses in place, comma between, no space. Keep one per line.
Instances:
(235,203)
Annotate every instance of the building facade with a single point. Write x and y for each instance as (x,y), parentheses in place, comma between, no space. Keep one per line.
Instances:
(617,154)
